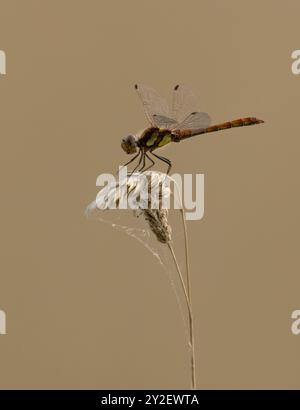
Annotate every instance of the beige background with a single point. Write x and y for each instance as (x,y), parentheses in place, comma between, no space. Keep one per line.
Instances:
(88,307)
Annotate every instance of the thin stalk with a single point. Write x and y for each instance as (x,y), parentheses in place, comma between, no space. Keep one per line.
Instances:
(185,245)
(188,280)
(189,290)
(191,321)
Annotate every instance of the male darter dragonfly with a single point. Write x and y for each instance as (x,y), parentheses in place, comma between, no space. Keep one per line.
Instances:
(175,125)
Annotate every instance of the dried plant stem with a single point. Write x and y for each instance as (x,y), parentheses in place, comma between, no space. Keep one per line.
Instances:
(158,223)
(186,256)
(189,291)
(186,248)
(191,321)
(157,220)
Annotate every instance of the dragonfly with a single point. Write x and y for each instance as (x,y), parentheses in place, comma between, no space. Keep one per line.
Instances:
(170,124)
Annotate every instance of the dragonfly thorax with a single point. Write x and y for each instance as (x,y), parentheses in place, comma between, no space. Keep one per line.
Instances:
(129,144)
(154,137)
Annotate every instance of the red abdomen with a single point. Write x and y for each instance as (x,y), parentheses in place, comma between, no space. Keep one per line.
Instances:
(241,122)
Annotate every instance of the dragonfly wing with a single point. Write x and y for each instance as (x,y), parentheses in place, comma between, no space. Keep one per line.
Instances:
(164,122)
(195,120)
(156,108)
(184,102)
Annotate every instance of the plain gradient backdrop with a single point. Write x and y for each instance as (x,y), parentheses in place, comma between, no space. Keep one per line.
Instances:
(88,307)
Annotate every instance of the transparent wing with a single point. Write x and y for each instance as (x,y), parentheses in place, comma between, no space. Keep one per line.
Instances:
(184,102)
(164,122)
(156,108)
(195,120)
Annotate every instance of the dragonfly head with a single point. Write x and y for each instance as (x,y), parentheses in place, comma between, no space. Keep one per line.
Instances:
(129,144)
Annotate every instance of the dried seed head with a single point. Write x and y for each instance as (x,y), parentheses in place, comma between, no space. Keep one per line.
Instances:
(150,189)
(145,192)
(158,223)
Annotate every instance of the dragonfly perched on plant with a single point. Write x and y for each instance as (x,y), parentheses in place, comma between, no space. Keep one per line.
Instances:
(175,125)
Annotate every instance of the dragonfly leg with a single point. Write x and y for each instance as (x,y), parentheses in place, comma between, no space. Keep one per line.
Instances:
(139,163)
(129,162)
(166,160)
(144,161)
(150,159)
